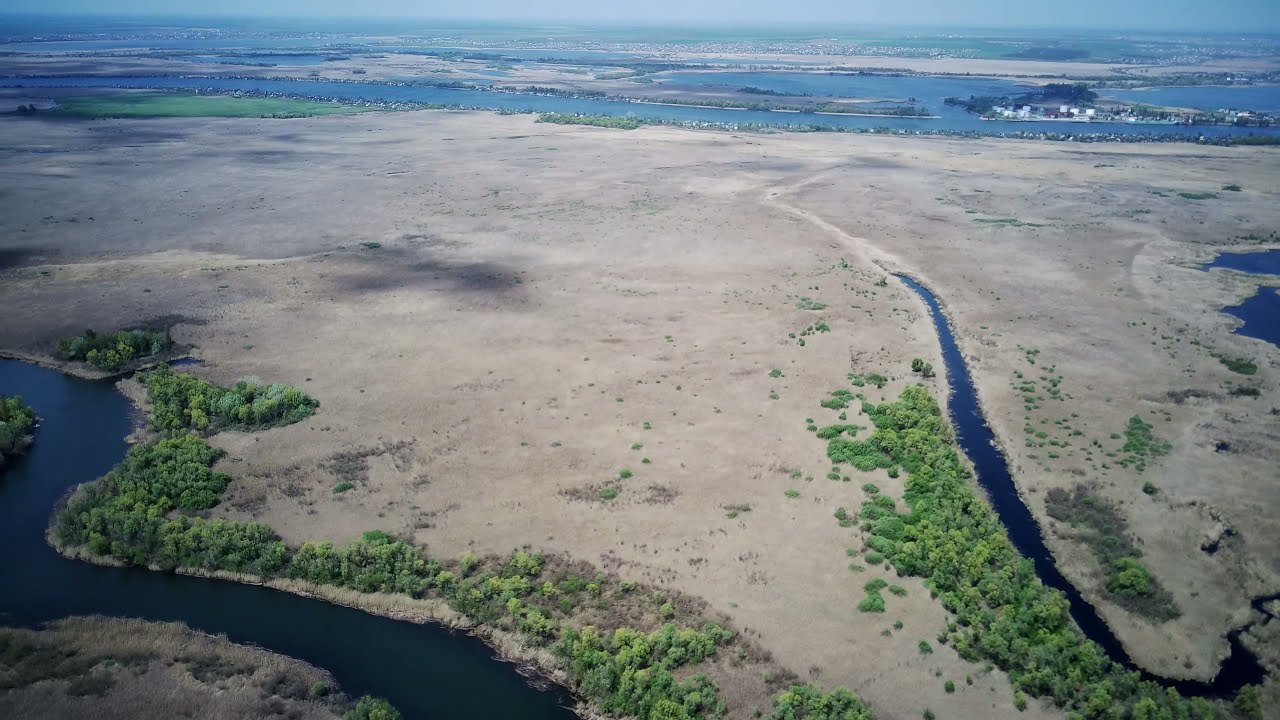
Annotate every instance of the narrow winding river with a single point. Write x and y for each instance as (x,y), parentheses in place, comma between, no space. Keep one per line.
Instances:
(979,443)
(424,670)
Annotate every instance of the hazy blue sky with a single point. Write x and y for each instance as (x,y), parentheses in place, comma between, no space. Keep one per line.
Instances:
(1255,15)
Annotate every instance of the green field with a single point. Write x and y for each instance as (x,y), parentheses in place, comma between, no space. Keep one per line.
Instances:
(182,104)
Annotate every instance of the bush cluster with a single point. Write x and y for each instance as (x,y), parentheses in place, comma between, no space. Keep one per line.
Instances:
(182,402)
(113,351)
(807,702)
(1105,531)
(606,121)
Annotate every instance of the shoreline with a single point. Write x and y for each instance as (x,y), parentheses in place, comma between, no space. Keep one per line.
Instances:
(530,661)
(84,372)
(1104,132)
(508,646)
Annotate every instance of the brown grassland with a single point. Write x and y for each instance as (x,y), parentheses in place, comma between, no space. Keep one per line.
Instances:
(498,316)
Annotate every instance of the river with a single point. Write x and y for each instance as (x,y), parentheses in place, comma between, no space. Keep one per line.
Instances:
(424,670)
(928,90)
(979,444)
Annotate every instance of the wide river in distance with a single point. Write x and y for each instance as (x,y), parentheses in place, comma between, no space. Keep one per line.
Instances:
(928,91)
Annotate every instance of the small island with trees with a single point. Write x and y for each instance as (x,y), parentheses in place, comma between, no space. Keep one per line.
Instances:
(17,421)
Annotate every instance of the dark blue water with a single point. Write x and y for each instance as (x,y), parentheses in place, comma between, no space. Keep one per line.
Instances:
(1206,97)
(952,120)
(979,443)
(426,671)
(1261,315)
(1261,311)
(1262,262)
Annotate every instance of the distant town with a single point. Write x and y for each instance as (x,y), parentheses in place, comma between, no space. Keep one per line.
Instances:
(1075,102)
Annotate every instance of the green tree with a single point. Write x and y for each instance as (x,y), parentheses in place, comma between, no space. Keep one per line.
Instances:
(371,708)
(1249,701)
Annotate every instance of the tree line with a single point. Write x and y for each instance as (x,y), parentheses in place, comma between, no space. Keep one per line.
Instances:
(113,351)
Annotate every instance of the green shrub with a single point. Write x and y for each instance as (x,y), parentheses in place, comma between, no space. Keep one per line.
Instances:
(1249,701)
(608,493)
(343,486)
(369,708)
(839,400)
(873,558)
(874,585)
(873,602)
(949,687)
(1242,366)
(925,648)
(624,473)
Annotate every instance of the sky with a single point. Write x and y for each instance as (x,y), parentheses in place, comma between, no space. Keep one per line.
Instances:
(1244,15)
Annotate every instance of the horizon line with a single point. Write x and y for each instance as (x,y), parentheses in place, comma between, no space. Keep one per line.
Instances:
(586,22)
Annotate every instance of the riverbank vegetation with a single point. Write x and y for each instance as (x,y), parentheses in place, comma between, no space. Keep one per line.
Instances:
(182,402)
(182,104)
(83,668)
(605,121)
(114,351)
(1104,530)
(17,420)
(151,510)
(1002,613)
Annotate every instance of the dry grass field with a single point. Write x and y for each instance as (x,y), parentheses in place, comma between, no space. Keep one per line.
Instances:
(106,668)
(499,317)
